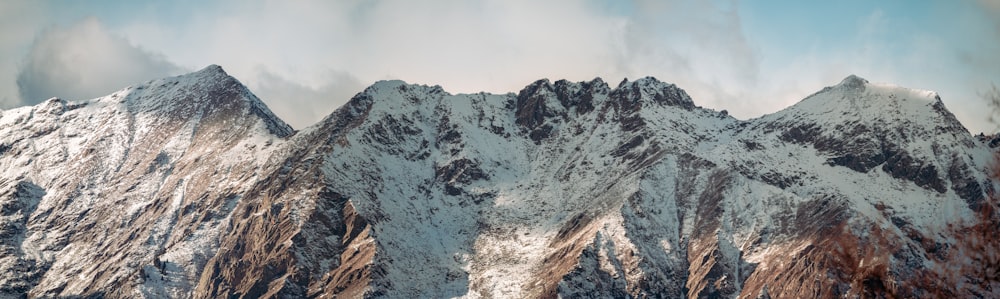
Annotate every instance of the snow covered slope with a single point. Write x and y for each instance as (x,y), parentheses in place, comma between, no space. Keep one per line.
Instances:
(125,194)
(190,187)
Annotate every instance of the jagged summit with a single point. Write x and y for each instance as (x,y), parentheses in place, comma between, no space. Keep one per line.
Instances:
(659,92)
(388,84)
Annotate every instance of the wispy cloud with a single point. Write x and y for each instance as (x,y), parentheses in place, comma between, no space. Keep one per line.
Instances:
(983,54)
(85,61)
(300,105)
(305,58)
(699,45)
(495,46)
(18,20)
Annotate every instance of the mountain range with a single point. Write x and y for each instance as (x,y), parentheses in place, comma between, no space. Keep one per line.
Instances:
(190,187)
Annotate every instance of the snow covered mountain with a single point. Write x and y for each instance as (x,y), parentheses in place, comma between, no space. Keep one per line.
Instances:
(190,187)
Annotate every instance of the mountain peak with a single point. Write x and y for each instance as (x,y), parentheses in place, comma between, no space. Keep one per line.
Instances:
(858,98)
(214,68)
(388,83)
(649,80)
(209,92)
(211,74)
(658,91)
(854,82)
(540,86)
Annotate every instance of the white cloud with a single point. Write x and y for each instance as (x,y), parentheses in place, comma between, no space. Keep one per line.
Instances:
(85,61)
(465,46)
(300,105)
(305,58)
(700,46)
(18,19)
(497,46)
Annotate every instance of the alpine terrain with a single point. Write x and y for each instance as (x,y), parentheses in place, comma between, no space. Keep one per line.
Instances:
(189,187)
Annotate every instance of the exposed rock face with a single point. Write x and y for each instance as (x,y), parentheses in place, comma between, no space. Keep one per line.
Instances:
(190,187)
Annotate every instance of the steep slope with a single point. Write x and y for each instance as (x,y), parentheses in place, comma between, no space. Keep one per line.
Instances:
(112,193)
(189,187)
(872,176)
(578,189)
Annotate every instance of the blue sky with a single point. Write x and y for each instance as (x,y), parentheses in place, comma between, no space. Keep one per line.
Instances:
(305,58)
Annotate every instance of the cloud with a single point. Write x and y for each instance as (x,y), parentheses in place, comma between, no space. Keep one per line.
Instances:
(992,7)
(18,19)
(699,45)
(495,46)
(305,58)
(301,105)
(84,61)
(982,54)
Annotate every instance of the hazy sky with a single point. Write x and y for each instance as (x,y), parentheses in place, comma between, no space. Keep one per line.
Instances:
(306,58)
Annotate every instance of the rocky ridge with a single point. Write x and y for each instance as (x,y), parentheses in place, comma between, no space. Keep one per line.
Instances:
(190,187)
